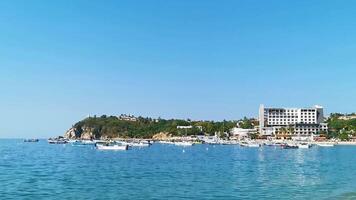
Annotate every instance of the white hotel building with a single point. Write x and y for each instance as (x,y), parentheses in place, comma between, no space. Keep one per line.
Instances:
(289,122)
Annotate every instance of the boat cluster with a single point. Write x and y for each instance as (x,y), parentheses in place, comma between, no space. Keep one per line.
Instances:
(125,144)
(179,143)
(102,144)
(285,144)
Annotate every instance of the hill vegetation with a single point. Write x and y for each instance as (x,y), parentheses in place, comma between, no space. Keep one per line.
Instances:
(144,127)
(340,128)
(140,127)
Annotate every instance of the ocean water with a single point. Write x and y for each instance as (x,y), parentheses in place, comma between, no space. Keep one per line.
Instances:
(43,171)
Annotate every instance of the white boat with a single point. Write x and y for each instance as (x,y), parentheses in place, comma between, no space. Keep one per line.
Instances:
(165,142)
(249,144)
(183,143)
(253,145)
(138,144)
(325,144)
(112,147)
(268,143)
(303,145)
(88,142)
(83,143)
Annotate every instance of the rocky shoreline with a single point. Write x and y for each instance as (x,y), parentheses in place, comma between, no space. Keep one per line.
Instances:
(87,133)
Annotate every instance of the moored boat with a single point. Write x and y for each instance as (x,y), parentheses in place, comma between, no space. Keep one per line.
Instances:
(183,143)
(31,140)
(303,145)
(289,146)
(59,140)
(250,144)
(165,142)
(139,144)
(325,144)
(115,147)
(88,142)
(83,143)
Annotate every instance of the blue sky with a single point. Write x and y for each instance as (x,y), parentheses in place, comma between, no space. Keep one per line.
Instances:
(63,60)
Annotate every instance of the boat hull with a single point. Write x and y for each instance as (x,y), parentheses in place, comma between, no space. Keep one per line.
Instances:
(113,147)
(139,145)
(325,145)
(183,144)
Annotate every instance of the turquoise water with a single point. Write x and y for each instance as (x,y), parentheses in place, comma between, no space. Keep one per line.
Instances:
(43,171)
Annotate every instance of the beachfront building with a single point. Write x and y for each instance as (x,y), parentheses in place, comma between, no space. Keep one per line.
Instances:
(241,133)
(291,122)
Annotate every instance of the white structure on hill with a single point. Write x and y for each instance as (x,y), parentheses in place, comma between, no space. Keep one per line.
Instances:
(125,117)
(347,117)
(190,127)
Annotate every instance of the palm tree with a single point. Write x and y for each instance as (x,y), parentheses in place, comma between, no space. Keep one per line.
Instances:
(282,131)
(291,130)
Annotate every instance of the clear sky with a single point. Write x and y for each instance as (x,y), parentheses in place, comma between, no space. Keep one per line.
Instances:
(62,60)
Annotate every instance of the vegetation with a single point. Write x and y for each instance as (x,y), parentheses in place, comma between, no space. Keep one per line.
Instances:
(144,127)
(247,123)
(140,127)
(339,128)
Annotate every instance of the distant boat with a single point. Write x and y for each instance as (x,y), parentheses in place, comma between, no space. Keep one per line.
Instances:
(83,143)
(253,145)
(250,144)
(289,146)
(88,142)
(115,147)
(228,142)
(165,142)
(59,140)
(303,145)
(183,143)
(273,143)
(325,144)
(139,144)
(31,140)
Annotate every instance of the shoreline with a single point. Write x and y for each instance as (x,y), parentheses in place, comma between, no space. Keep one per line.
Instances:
(339,143)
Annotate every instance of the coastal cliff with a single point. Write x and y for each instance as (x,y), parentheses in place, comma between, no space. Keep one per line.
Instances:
(85,133)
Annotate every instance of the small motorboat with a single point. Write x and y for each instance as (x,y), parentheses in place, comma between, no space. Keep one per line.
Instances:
(114,147)
(83,143)
(183,144)
(253,145)
(289,146)
(303,145)
(325,144)
(88,142)
(250,144)
(165,142)
(139,144)
(59,140)
(31,140)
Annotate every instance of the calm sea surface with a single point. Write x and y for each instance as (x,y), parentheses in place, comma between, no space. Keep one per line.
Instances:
(43,171)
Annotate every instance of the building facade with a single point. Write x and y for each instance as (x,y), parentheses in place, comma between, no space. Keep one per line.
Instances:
(290,122)
(242,133)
